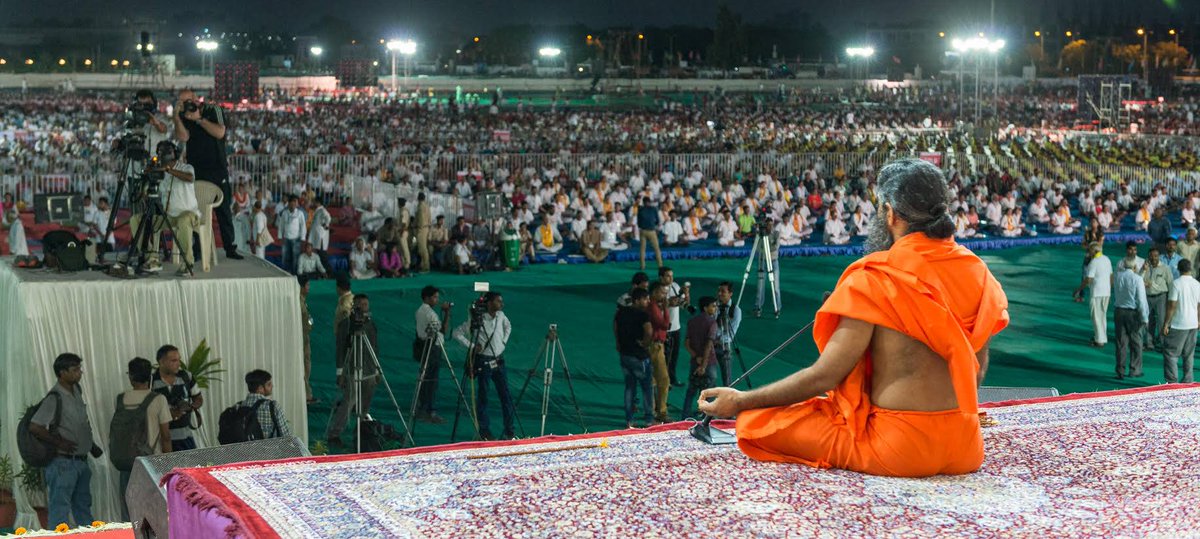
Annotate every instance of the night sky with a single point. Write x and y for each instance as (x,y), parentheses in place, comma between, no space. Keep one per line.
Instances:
(417,16)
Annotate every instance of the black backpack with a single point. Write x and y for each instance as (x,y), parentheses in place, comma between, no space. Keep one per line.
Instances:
(239,423)
(127,433)
(35,452)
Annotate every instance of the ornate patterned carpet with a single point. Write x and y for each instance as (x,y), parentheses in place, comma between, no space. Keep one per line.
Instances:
(1118,464)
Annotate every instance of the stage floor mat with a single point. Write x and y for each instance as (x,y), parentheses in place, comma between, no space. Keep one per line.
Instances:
(1115,464)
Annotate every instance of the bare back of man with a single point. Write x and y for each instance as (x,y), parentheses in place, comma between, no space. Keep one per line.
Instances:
(907,375)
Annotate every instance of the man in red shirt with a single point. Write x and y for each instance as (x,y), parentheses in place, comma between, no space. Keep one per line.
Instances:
(700,340)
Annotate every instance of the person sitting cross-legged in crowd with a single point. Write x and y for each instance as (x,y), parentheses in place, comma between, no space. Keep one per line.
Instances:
(310,265)
(390,262)
(548,239)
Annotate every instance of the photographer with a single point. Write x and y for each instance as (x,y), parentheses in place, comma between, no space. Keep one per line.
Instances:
(177,385)
(155,129)
(179,192)
(359,319)
(676,296)
(729,319)
(430,333)
(202,128)
(485,359)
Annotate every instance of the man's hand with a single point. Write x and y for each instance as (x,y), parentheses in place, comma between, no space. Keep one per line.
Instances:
(96,451)
(197,402)
(699,370)
(1166,329)
(726,402)
(193,115)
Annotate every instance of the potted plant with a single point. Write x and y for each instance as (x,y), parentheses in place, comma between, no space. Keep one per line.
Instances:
(8,505)
(33,482)
(203,370)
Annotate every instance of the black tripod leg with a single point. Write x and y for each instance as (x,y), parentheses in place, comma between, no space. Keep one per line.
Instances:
(571,388)
(742,362)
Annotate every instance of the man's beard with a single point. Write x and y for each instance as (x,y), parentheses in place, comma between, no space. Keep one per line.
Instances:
(879,237)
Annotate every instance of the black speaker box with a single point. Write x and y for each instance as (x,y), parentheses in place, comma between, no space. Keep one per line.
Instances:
(147,501)
(61,208)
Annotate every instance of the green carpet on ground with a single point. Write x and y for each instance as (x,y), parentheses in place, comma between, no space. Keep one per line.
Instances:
(1046,344)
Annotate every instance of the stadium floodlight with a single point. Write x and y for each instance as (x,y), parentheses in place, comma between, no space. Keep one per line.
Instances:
(316,51)
(860,52)
(549,52)
(995,46)
(408,47)
(393,45)
(207,46)
(977,44)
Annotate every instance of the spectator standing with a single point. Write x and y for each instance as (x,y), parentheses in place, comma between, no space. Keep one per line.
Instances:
(676,296)
(660,322)
(68,477)
(634,334)
(647,222)
(422,232)
(291,224)
(1131,318)
(486,363)
(260,388)
(158,417)
(1158,279)
(306,325)
(1189,248)
(700,342)
(1183,317)
(1098,280)
(260,234)
(729,319)
(1159,229)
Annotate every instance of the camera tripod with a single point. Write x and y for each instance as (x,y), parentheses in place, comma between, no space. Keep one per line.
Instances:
(550,352)
(360,349)
(724,322)
(431,343)
(768,272)
(153,214)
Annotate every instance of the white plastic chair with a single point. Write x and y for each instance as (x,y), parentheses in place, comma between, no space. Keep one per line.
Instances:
(209,196)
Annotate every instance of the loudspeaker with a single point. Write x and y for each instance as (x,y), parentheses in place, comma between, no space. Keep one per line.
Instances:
(999,394)
(61,208)
(147,501)
(491,205)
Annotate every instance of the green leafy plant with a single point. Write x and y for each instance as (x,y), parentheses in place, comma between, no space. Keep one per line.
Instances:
(203,370)
(7,474)
(33,480)
(319,448)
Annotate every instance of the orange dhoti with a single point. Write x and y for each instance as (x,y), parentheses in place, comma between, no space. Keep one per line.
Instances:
(934,291)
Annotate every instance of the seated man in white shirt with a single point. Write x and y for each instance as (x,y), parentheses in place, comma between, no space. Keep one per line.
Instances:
(727,231)
(463,261)
(310,265)
(1060,224)
(370,219)
(672,231)
(1188,214)
(962,225)
(546,238)
(693,227)
(787,235)
(861,222)
(611,233)
(1010,226)
(179,192)
(835,231)
(362,261)
(1142,216)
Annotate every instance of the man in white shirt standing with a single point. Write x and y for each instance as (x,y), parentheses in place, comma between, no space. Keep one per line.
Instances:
(1097,279)
(292,227)
(318,235)
(1183,317)
(179,192)
(486,363)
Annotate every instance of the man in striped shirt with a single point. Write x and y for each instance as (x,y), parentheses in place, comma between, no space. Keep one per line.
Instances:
(273,423)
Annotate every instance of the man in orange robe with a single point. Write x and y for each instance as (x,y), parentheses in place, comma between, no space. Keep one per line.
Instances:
(903,342)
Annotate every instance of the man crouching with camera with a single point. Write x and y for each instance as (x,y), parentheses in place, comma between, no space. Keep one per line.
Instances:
(179,188)
(485,358)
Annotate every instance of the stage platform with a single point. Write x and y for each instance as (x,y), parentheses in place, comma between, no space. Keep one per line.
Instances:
(247,310)
(1115,464)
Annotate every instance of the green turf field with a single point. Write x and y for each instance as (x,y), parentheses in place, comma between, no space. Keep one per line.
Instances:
(1046,344)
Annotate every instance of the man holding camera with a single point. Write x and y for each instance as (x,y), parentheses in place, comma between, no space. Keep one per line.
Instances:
(155,129)
(485,359)
(729,319)
(676,296)
(361,383)
(202,128)
(177,385)
(180,205)
(430,335)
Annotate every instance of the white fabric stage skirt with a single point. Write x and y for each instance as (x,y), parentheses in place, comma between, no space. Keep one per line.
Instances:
(248,310)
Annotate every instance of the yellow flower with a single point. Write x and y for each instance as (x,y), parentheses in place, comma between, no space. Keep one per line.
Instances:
(97,523)
(61,528)
(20,531)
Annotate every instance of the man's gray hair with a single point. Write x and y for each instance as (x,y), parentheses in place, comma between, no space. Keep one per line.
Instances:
(916,190)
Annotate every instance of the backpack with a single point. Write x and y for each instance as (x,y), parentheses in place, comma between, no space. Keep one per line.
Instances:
(35,452)
(127,433)
(239,423)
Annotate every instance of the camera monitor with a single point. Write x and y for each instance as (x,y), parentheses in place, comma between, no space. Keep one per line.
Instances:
(60,208)
(482,286)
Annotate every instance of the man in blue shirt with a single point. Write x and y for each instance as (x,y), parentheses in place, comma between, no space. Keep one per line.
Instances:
(1172,257)
(1159,229)
(647,222)
(1133,314)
